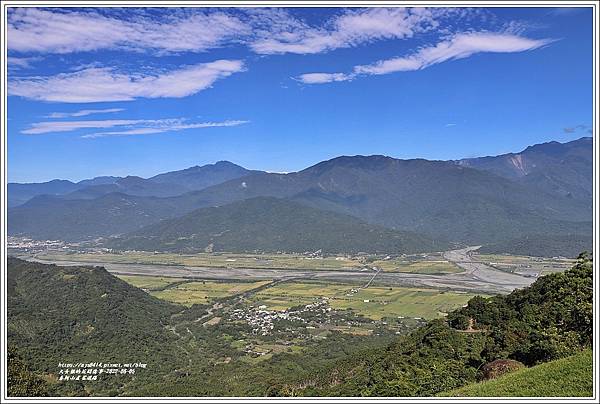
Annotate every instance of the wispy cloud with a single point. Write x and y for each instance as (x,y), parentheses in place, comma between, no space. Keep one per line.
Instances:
(66,31)
(134,126)
(578,129)
(565,11)
(449,125)
(39,128)
(459,46)
(21,63)
(83,112)
(263,30)
(106,84)
(165,128)
(289,35)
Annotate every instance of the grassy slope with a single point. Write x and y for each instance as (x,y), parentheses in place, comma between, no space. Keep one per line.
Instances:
(568,377)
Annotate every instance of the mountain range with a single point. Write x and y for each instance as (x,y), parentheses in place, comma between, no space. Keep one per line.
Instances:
(168,184)
(501,200)
(272,225)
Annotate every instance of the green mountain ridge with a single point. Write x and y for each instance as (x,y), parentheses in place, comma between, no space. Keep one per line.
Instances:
(557,168)
(271,225)
(84,314)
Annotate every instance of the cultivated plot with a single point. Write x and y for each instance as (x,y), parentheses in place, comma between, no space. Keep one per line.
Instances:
(373,302)
(203,292)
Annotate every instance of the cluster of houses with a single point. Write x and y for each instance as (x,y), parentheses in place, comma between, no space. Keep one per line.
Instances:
(23,244)
(263,321)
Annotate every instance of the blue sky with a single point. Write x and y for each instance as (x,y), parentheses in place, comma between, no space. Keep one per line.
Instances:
(107,92)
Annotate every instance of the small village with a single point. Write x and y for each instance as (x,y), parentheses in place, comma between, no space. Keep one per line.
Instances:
(313,315)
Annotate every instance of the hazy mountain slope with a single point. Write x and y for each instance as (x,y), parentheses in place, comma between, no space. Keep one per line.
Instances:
(163,185)
(270,224)
(438,198)
(99,181)
(18,194)
(48,217)
(543,245)
(200,177)
(129,185)
(564,169)
(442,200)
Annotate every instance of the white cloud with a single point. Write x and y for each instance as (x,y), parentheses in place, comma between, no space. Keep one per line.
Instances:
(458,47)
(319,78)
(54,31)
(83,112)
(21,63)
(264,30)
(165,128)
(351,28)
(105,84)
(39,128)
(135,126)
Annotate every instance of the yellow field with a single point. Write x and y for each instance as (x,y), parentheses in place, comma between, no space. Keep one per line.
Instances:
(374,302)
(377,302)
(203,292)
(148,282)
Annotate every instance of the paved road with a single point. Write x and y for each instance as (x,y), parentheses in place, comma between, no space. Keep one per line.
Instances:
(477,277)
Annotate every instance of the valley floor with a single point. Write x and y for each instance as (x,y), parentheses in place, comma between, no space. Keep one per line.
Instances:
(457,270)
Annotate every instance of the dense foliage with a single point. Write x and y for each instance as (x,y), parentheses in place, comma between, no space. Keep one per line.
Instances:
(550,319)
(76,314)
(21,382)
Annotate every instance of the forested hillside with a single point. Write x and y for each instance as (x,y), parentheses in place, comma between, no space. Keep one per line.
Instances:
(58,313)
(272,225)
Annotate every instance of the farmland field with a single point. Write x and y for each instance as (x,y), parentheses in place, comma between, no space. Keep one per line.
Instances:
(374,302)
(149,282)
(203,292)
